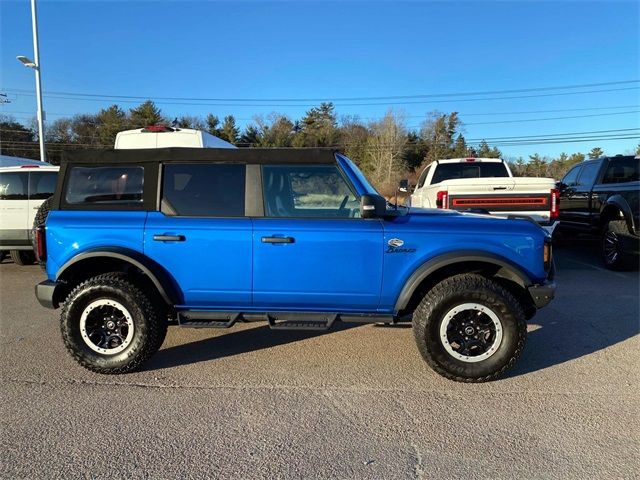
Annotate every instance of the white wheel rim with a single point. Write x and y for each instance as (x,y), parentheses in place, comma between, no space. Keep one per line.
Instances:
(99,338)
(450,320)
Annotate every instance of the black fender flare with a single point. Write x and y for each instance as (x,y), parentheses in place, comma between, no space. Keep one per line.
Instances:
(161,279)
(507,269)
(619,202)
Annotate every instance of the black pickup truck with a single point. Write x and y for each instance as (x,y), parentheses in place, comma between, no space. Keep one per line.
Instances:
(601,196)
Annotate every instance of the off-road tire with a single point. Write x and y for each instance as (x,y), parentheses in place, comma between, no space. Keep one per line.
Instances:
(613,237)
(458,290)
(22,257)
(40,219)
(150,328)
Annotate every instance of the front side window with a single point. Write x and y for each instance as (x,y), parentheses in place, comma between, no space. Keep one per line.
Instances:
(13,186)
(308,191)
(203,190)
(42,185)
(589,173)
(105,185)
(570,178)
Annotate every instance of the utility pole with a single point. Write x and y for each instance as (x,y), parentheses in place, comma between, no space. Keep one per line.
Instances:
(35,64)
(36,54)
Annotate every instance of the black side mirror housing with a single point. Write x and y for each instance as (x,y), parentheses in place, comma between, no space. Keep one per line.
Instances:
(403,186)
(372,206)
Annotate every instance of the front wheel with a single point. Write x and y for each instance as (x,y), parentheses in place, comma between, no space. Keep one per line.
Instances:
(110,326)
(469,328)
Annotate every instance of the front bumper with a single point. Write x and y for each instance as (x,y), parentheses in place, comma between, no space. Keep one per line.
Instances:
(44,293)
(542,294)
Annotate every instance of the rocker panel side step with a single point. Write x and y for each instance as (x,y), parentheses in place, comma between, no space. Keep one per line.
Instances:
(277,320)
(200,319)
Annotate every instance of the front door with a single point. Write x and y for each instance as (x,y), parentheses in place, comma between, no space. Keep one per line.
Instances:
(201,235)
(312,252)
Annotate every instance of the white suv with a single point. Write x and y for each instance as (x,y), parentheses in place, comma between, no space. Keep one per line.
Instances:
(22,191)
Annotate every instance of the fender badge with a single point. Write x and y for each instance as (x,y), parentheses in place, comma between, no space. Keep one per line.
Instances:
(395,242)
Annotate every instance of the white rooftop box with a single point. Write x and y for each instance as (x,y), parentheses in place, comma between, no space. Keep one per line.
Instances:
(159,136)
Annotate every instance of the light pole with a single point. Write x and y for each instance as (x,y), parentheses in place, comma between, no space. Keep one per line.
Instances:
(36,67)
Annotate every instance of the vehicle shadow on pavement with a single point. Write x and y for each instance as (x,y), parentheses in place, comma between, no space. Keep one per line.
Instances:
(594,309)
(235,342)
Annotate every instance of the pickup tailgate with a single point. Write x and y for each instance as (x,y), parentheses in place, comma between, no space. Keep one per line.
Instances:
(503,196)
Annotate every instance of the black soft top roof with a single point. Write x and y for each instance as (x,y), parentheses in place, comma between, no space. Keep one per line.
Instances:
(221,155)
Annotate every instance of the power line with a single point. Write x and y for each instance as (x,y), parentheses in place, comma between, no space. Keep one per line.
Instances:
(466,114)
(159,101)
(340,99)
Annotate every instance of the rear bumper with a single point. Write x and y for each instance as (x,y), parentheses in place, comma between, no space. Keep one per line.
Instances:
(542,294)
(44,293)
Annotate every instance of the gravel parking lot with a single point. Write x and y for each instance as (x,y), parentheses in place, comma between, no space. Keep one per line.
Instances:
(356,402)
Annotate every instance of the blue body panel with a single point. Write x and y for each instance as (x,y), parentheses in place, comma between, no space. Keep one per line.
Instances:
(437,232)
(341,265)
(333,265)
(70,233)
(212,266)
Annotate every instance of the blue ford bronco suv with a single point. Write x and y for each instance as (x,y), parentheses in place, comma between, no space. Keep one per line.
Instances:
(298,238)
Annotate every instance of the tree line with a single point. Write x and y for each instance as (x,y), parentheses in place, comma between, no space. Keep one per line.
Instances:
(385,149)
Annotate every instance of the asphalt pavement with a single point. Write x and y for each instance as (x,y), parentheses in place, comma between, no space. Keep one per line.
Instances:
(356,402)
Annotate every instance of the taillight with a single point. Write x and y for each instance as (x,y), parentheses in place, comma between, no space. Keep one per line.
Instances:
(41,243)
(554,212)
(442,199)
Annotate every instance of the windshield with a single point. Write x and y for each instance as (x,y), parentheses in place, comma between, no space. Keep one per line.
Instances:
(354,171)
(455,171)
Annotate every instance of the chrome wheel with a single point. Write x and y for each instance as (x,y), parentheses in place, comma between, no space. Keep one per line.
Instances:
(471,332)
(106,326)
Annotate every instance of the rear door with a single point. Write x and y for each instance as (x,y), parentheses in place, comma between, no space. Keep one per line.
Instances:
(312,252)
(202,236)
(14,204)
(42,184)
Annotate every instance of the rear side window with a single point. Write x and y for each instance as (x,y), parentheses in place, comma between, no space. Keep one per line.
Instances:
(13,185)
(454,171)
(622,170)
(203,190)
(42,185)
(121,185)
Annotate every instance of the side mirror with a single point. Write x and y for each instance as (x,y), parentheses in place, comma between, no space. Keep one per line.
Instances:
(561,186)
(403,186)
(372,206)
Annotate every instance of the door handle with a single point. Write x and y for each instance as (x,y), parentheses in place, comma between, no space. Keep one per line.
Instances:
(169,238)
(278,240)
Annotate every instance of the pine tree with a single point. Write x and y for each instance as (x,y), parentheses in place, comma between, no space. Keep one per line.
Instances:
(318,128)
(145,114)
(229,130)
(596,152)
(110,121)
(250,137)
(213,123)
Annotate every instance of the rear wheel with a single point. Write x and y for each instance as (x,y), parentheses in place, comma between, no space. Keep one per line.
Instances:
(614,236)
(469,328)
(22,257)
(110,326)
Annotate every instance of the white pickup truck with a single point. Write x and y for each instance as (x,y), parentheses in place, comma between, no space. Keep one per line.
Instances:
(486,185)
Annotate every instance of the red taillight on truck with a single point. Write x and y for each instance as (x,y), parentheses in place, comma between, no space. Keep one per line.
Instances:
(554,211)
(442,199)
(41,244)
